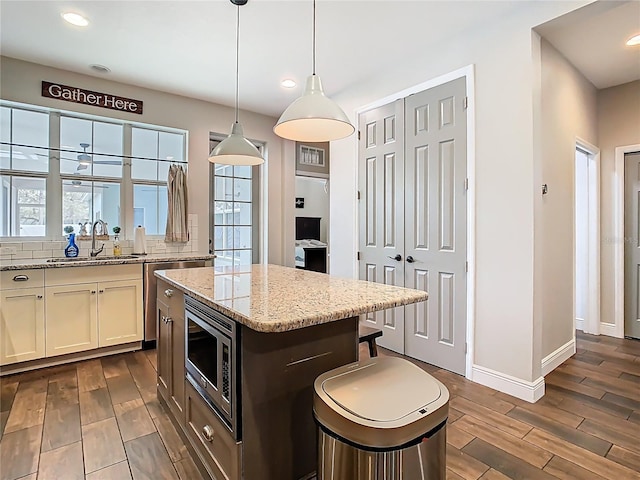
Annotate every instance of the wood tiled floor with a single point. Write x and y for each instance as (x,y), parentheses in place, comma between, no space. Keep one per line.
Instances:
(100,419)
(94,420)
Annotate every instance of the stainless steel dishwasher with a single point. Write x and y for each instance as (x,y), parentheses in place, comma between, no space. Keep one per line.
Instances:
(150,282)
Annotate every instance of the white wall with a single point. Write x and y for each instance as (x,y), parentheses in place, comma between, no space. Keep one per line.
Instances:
(568,112)
(21,83)
(506,338)
(316,201)
(618,125)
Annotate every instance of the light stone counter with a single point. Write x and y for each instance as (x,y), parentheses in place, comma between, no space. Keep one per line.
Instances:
(271,298)
(27,264)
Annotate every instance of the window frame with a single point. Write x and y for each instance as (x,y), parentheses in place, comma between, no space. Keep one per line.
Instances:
(258,233)
(54,178)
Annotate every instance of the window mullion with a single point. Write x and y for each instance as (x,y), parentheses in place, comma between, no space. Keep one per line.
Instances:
(53,224)
(126,194)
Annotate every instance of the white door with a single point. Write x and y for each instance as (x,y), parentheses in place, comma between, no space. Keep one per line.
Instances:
(631,245)
(413,207)
(21,325)
(436,224)
(119,312)
(381,211)
(71,318)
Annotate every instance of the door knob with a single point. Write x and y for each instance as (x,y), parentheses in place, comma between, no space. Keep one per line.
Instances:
(397,258)
(410,259)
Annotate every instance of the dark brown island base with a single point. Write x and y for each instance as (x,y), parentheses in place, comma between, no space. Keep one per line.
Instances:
(238,351)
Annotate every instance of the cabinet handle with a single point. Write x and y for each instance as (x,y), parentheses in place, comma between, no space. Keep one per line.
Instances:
(39,297)
(93,291)
(20,278)
(101,291)
(169,320)
(207,433)
(168,292)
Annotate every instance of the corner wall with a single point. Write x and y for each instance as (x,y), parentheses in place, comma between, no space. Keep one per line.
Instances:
(568,111)
(20,82)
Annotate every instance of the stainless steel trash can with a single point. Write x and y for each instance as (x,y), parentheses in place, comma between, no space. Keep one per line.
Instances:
(383,418)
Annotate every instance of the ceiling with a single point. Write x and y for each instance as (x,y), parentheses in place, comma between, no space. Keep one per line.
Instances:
(593,39)
(188,47)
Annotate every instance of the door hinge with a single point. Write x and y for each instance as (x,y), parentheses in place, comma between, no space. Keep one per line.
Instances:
(358,134)
(466,347)
(465,103)
(466,266)
(466,184)
(358,256)
(358,194)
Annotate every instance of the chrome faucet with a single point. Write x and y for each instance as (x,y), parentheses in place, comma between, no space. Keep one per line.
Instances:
(103,229)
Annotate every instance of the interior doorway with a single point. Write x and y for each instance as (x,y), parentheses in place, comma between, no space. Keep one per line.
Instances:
(587,238)
(631,244)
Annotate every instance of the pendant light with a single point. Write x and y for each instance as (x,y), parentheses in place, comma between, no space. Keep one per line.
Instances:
(235,149)
(313,117)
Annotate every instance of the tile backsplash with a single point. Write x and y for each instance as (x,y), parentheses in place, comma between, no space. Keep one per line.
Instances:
(51,249)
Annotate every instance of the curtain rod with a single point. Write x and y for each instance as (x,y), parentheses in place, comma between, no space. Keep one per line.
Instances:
(92,153)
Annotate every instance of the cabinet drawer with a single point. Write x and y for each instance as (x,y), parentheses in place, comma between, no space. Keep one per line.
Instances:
(221,454)
(172,297)
(11,279)
(103,273)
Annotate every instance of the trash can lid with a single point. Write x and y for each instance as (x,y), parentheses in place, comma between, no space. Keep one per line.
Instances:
(380,402)
(382,391)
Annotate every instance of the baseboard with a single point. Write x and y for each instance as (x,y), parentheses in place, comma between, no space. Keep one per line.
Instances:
(580,324)
(68,358)
(609,329)
(522,389)
(558,357)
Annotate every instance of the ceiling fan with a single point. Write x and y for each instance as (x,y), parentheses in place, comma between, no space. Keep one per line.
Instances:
(79,183)
(84,159)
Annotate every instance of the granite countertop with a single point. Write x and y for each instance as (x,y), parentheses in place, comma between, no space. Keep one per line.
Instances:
(271,298)
(98,261)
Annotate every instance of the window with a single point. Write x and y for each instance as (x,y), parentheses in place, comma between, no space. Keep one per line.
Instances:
(85,170)
(152,152)
(87,195)
(24,165)
(234,213)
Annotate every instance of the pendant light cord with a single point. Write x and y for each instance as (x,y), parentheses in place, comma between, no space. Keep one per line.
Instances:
(237,60)
(314,38)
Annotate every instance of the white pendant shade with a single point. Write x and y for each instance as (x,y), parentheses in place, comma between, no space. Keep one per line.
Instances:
(236,150)
(313,117)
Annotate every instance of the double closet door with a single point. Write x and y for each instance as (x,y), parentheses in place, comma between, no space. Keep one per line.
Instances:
(412,184)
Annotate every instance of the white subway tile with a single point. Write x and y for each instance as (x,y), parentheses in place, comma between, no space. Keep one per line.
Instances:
(32,246)
(17,246)
(43,254)
(20,255)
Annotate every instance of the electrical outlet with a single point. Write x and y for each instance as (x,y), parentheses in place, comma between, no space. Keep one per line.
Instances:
(7,250)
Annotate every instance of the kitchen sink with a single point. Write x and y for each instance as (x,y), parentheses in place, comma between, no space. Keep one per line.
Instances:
(91,259)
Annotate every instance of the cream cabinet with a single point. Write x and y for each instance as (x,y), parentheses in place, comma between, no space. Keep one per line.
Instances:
(92,307)
(21,325)
(71,318)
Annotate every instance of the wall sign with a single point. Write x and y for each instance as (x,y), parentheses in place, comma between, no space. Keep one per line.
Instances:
(88,97)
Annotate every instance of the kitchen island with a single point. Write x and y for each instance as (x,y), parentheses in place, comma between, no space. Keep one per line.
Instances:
(280,328)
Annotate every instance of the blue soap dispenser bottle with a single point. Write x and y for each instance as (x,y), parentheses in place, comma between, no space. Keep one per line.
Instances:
(71,250)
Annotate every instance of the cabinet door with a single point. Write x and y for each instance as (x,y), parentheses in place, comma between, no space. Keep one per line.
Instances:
(164,352)
(119,312)
(21,325)
(71,318)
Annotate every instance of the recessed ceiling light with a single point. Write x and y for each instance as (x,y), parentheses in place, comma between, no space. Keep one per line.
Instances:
(100,68)
(75,19)
(633,41)
(288,83)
